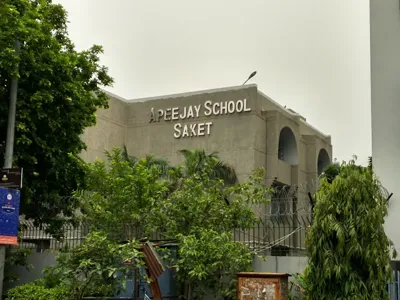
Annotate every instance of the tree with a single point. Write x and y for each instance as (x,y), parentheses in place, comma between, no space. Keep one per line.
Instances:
(196,161)
(334,169)
(348,250)
(199,203)
(122,197)
(95,268)
(150,160)
(194,214)
(197,215)
(331,172)
(208,261)
(58,95)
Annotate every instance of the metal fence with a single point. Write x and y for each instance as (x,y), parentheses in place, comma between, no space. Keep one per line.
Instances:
(39,240)
(394,286)
(277,236)
(280,232)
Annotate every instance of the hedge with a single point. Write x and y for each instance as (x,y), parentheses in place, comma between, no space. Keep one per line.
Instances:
(37,291)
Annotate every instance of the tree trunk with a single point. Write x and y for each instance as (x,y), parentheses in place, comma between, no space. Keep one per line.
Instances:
(186,290)
(189,296)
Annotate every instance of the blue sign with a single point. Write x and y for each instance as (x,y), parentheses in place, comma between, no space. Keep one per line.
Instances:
(9,216)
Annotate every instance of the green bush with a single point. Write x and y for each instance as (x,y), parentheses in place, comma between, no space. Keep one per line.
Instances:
(37,291)
(297,287)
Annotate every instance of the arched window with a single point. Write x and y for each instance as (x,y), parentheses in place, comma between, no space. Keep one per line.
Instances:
(287,149)
(323,161)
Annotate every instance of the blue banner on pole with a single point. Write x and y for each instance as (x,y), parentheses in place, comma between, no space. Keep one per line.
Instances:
(9,216)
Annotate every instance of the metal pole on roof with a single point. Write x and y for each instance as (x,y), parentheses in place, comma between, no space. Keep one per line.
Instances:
(251,76)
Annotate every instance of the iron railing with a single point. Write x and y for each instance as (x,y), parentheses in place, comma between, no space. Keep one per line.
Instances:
(40,240)
(394,286)
(277,235)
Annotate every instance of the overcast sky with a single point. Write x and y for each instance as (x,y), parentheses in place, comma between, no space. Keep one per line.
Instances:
(310,55)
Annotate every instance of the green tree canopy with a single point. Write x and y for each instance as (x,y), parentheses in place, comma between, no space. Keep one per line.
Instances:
(95,268)
(195,162)
(58,95)
(348,250)
(121,196)
(194,215)
(334,169)
(162,165)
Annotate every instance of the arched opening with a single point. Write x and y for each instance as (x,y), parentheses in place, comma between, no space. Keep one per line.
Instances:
(323,161)
(287,149)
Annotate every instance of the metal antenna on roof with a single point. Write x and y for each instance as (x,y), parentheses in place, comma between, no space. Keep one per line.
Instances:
(251,76)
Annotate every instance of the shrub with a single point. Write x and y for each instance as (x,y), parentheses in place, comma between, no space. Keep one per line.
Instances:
(37,291)
(349,252)
(94,268)
(297,287)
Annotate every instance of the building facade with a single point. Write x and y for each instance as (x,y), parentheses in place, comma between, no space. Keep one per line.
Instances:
(247,129)
(385,104)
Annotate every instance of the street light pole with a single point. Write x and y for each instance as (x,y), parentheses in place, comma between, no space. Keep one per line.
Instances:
(8,156)
(251,76)
(11,116)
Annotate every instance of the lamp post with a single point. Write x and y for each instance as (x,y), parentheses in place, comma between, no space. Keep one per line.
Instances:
(251,76)
(11,115)
(8,156)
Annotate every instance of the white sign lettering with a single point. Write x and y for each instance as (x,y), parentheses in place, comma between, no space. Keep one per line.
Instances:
(194,111)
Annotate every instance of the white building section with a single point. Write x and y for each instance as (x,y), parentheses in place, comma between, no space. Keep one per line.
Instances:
(385,104)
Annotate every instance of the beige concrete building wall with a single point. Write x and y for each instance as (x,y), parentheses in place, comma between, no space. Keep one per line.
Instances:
(254,131)
(109,132)
(247,139)
(233,135)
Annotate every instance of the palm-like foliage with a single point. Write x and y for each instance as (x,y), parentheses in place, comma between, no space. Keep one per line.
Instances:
(196,161)
(150,161)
